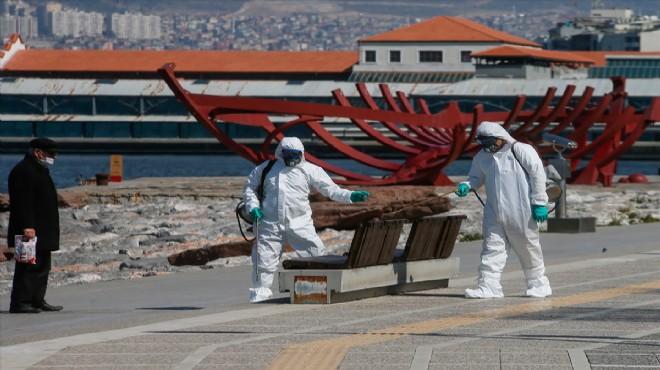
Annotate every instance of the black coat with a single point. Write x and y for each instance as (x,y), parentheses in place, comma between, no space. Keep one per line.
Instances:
(33,204)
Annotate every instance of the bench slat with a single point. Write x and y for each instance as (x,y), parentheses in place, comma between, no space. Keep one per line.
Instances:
(455,227)
(432,237)
(376,245)
(359,238)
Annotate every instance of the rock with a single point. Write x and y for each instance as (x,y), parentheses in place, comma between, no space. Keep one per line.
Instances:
(150,264)
(4,202)
(7,254)
(199,257)
(130,265)
(72,199)
(183,207)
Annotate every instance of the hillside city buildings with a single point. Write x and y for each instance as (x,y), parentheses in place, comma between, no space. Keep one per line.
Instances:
(50,25)
(53,20)
(607,29)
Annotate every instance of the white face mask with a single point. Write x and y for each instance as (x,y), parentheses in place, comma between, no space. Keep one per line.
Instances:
(47,162)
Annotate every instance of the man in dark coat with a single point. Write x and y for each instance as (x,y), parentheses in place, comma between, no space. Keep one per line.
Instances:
(33,212)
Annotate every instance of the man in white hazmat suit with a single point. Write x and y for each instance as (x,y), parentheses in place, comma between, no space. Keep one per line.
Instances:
(517,202)
(285,215)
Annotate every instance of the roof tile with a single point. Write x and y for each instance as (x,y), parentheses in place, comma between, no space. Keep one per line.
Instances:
(448,29)
(186,61)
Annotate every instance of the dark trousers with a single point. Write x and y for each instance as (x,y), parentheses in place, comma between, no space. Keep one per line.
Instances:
(31,281)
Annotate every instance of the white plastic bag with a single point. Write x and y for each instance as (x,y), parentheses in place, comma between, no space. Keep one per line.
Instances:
(25,252)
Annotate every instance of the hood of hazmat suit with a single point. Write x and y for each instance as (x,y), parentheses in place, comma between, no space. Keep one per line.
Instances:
(290,144)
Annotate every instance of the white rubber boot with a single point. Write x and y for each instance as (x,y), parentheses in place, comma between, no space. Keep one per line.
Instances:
(260,294)
(538,288)
(486,288)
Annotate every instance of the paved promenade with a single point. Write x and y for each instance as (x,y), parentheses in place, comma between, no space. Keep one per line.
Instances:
(605,314)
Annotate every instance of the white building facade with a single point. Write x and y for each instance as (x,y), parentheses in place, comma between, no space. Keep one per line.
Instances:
(135,26)
(75,23)
(26,25)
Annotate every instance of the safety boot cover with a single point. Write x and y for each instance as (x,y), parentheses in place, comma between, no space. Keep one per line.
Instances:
(538,288)
(486,288)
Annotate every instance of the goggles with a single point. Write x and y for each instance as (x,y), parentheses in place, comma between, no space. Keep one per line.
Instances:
(291,157)
(486,141)
(489,143)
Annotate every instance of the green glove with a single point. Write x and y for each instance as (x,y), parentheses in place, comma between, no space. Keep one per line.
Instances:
(255,213)
(539,213)
(462,190)
(359,196)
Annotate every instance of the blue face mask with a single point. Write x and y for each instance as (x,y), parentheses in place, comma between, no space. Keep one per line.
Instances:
(489,143)
(291,157)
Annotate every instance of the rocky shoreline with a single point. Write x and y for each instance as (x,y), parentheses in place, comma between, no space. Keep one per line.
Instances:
(128,230)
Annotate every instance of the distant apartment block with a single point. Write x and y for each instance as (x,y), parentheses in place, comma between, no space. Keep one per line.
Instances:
(135,26)
(75,23)
(16,18)
(24,24)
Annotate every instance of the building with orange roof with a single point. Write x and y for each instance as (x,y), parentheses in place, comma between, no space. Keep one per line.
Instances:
(440,46)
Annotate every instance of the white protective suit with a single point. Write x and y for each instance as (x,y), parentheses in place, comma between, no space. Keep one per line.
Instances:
(507,220)
(287,215)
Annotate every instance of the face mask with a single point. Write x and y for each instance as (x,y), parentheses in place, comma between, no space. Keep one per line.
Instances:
(47,162)
(291,157)
(489,143)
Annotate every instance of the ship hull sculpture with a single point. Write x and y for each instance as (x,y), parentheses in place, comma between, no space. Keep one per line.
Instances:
(429,142)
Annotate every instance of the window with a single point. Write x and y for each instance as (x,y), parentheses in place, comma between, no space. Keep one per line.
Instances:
(395,56)
(465,56)
(370,56)
(430,56)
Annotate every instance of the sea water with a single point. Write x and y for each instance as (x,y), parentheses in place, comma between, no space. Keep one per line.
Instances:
(70,168)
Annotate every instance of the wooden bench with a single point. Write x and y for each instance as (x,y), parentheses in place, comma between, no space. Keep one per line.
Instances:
(373,267)
(374,243)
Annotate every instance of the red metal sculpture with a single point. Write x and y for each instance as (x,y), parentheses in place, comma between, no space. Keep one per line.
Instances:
(428,141)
